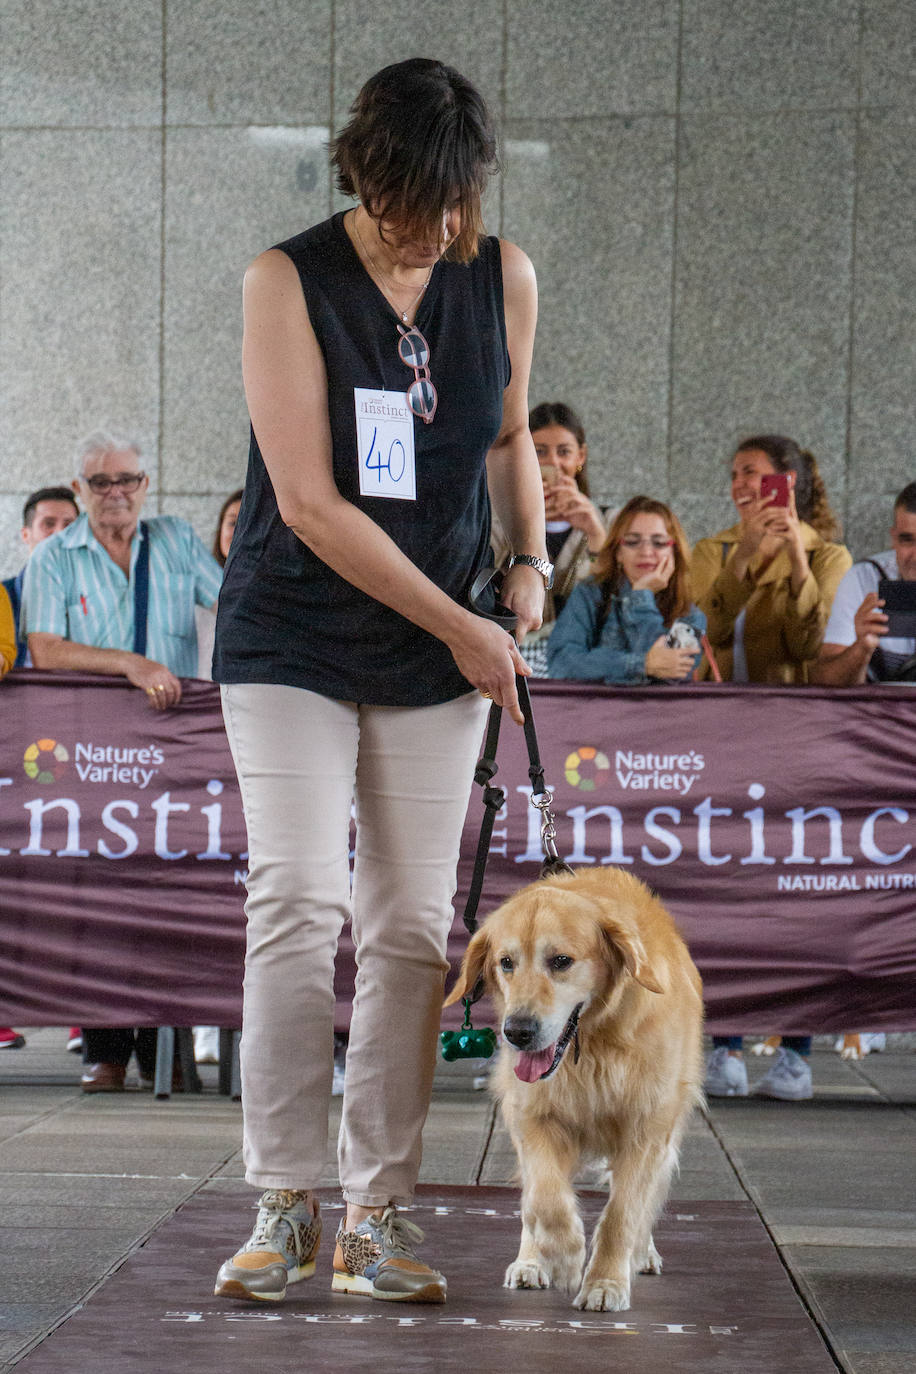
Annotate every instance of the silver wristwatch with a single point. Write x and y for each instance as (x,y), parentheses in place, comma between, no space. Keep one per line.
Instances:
(540,564)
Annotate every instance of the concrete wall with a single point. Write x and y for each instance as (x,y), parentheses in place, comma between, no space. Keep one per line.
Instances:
(719,198)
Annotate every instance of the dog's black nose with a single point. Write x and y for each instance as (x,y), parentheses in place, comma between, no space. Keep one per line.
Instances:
(520,1031)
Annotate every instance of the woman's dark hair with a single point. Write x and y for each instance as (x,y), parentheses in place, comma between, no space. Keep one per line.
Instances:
(420,140)
(559,413)
(810,493)
(217,551)
(673,600)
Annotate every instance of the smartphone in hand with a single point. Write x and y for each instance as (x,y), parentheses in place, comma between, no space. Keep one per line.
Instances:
(899,599)
(775,487)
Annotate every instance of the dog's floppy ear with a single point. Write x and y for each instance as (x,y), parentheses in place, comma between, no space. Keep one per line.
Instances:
(630,948)
(473,966)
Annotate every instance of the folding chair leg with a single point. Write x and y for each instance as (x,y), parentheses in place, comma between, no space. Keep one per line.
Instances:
(165,1058)
(230,1074)
(184,1039)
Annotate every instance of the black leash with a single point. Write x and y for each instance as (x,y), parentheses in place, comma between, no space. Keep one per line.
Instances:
(494,799)
(469,1043)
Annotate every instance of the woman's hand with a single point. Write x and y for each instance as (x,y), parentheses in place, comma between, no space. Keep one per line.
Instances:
(793,541)
(564,501)
(658,579)
(763,524)
(663,662)
(767,530)
(489,658)
(523,592)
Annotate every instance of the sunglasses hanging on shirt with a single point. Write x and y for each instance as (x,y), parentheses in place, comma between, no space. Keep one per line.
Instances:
(422,396)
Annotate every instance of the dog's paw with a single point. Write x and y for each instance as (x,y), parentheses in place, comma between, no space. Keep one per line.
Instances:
(851,1047)
(603,1295)
(650,1262)
(526,1274)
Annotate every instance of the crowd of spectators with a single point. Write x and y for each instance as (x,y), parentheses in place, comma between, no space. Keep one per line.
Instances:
(774,598)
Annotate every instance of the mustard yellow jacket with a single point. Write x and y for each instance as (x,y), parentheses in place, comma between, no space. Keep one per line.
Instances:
(782,632)
(7,633)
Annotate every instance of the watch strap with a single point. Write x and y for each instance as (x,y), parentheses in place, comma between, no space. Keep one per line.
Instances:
(540,565)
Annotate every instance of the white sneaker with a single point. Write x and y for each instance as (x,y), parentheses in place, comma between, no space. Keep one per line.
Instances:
(854,1045)
(789,1078)
(206,1044)
(726,1075)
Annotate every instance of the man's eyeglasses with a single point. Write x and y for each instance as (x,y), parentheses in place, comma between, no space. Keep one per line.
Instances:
(101,485)
(655,541)
(422,396)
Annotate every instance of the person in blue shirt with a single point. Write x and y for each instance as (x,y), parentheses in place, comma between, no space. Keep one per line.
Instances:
(45,512)
(80,595)
(616,627)
(115,594)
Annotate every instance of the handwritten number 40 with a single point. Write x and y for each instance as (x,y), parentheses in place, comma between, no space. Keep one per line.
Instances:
(389,464)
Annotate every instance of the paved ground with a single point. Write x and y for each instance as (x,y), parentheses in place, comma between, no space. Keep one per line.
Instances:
(83,1181)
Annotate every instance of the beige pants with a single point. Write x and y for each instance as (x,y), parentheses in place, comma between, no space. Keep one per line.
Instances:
(301,760)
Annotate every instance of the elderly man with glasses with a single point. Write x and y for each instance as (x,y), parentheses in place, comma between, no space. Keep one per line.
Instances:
(115,594)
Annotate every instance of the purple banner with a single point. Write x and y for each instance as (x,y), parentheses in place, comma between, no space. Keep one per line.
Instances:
(779,825)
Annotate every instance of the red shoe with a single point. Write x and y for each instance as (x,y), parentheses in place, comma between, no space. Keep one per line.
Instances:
(10,1039)
(75,1040)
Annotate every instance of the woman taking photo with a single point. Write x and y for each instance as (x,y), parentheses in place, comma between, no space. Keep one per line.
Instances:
(766,584)
(377,354)
(615,628)
(576,527)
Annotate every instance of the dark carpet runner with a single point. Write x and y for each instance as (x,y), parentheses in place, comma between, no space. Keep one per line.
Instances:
(724,1304)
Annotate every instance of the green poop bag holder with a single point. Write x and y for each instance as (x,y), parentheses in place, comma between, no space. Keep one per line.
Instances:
(468,1043)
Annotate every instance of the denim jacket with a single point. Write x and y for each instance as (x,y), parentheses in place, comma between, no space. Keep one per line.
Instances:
(616,653)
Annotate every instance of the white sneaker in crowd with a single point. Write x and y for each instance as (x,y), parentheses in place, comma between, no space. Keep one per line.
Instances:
(726,1075)
(856,1045)
(206,1044)
(768,1046)
(789,1078)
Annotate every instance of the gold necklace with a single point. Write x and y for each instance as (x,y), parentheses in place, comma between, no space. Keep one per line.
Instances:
(379,273)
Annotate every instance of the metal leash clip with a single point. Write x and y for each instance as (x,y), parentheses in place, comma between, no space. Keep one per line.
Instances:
(548,825)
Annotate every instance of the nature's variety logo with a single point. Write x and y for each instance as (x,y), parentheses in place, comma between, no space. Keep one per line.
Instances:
(45,760)
(586,768)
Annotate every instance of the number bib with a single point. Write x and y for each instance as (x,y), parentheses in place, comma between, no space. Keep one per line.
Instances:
(384,444)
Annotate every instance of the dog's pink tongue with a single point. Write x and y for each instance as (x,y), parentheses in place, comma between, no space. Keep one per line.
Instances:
(530,1066)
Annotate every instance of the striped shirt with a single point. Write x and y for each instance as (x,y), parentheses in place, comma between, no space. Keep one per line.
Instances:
(74,588)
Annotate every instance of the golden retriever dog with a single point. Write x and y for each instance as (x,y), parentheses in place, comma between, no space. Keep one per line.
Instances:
(601,1016)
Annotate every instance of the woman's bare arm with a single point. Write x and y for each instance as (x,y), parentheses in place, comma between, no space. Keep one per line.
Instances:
(513,475)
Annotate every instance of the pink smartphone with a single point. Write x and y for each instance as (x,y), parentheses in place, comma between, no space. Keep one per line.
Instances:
(775,487)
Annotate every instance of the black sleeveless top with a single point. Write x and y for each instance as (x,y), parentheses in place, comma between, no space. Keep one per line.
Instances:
(284,615)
